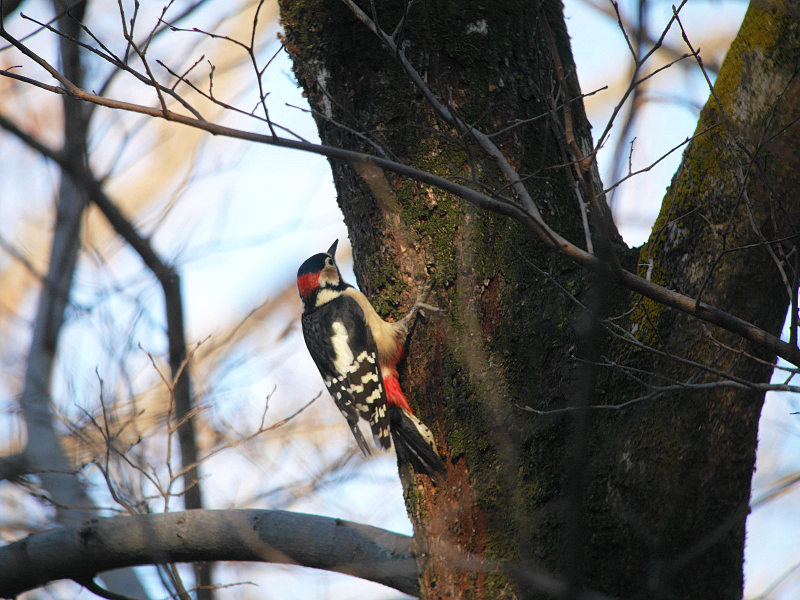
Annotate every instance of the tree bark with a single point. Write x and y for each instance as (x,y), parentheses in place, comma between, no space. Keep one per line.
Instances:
(679,484)
(645,501)
(502,342)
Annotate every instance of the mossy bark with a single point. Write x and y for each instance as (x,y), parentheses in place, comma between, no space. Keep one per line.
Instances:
(681,482)
(658,478)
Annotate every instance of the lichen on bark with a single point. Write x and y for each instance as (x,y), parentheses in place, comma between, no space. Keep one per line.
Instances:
(730,197)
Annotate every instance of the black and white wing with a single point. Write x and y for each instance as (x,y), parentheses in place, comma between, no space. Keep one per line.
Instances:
(342,347)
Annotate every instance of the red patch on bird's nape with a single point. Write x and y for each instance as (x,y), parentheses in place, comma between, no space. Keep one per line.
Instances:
(394,395)
(307,283)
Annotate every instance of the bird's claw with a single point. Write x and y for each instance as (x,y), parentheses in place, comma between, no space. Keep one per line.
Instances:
(420,305)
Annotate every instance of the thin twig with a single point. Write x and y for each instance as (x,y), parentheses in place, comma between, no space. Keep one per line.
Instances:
(669,298)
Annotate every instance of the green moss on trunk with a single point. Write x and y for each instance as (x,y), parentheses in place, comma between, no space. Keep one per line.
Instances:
(665,476)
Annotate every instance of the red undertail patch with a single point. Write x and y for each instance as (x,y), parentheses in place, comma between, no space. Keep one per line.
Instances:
(394,395)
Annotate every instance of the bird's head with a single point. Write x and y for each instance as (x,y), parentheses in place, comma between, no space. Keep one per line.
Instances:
(319,272)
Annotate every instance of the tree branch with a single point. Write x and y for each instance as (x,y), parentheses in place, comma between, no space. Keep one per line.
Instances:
(44,454)
(9,6)
(209,535)
(667,297)
(13,466)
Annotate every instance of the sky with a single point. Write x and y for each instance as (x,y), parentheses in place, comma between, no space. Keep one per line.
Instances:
(265,210)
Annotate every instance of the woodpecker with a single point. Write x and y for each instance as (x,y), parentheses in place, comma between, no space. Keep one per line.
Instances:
(357,352)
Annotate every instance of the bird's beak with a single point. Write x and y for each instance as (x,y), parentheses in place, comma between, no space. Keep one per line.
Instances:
(332,249)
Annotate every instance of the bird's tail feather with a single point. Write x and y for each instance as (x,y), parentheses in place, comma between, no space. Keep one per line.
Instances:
(414,444)
(362,443)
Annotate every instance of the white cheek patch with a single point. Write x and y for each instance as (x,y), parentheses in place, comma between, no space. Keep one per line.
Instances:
(341,348)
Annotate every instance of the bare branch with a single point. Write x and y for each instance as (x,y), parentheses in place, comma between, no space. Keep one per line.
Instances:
(656,161)
(121,66)
(532,221)
(601,140)
(209,535)
(13,466)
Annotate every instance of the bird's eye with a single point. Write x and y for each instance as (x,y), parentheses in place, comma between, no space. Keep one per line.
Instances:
(328,262)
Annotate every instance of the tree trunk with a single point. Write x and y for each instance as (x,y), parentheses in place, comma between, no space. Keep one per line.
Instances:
(678,487)
(44,455)
(647,501)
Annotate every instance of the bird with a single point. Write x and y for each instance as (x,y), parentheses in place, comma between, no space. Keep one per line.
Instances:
(356,353)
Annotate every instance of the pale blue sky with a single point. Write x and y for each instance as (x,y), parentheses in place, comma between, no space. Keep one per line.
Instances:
(261,211)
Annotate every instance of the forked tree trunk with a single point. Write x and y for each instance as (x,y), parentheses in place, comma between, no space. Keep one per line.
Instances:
(648,501)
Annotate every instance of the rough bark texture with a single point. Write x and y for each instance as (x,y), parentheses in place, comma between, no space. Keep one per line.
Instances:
(476,367)
(680,484)
(655,507)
